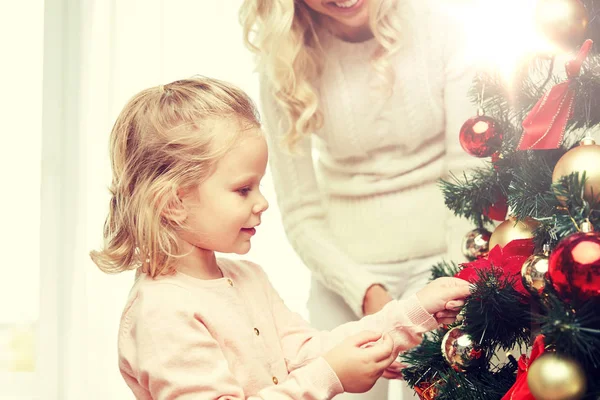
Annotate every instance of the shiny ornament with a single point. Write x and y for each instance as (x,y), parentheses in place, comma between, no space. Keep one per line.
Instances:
(480,136)
(574,266)
(563,22)
(498,210)
(583,158)
(511,229)
(475,244)
(460,350)
(555,377)
(534,272)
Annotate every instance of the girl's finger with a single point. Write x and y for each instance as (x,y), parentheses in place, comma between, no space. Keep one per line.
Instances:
(446,314)
(445,321)
(392,375)
(396,367)
(383,349)
(454,304)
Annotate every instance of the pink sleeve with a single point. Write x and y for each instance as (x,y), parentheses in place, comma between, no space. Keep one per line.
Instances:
(177,358)
(405,320)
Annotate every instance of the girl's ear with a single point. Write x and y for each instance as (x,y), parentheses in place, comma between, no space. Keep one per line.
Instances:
(175,211)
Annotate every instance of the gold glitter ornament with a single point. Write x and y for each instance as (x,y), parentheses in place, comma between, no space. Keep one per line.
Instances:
(511,229)
(475,244)
(580,159)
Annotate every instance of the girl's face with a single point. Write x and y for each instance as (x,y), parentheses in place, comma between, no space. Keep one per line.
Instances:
(224,210)
(349,17)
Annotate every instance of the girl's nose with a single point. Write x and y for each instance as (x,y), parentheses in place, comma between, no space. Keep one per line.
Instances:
(261,205)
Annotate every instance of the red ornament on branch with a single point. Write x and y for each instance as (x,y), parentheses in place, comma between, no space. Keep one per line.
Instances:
(544,126)
(498,210)
(480,136)
(574,265)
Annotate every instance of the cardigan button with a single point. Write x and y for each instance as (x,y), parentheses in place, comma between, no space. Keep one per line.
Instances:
(275,380)
(230,282)
(256,331)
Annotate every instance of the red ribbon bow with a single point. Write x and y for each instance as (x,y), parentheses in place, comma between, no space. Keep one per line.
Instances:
(508,260)
(520,390)
(544,126)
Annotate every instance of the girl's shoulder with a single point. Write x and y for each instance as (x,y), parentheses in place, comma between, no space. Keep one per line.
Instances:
(241,268)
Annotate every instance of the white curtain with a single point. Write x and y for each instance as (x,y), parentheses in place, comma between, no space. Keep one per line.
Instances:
(98,53)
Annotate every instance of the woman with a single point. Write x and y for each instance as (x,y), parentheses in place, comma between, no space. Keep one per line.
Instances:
(363,101)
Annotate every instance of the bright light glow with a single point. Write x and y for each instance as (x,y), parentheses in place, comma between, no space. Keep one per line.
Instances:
(499,35)
(554,10)
(481,127)
(586,252)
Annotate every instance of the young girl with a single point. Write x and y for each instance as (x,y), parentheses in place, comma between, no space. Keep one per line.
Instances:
(187,160)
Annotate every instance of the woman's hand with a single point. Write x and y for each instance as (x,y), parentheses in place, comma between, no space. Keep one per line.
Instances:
(375,298)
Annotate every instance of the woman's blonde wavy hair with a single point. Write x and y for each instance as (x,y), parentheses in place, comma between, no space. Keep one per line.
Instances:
(161,142)
(283,35)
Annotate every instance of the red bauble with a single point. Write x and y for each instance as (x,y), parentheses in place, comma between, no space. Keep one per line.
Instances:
(498,210)
(480,136)
(574,266)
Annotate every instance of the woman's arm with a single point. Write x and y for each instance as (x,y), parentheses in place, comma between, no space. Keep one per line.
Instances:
(304,218)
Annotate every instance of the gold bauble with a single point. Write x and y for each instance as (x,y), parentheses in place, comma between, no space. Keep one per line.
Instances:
(533,273)
(475,244)
(585,157)
(460,350)
(511,229)
(555,377)
(564,22)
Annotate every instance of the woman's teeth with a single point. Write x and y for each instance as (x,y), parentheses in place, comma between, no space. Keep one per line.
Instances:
(346,4)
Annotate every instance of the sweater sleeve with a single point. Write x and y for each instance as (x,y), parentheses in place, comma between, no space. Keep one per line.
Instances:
(405,321)
(304,218)
(176,357)
(458,80)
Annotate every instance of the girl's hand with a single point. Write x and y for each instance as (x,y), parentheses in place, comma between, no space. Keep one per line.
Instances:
(361,359)
(444,298)
(394,371)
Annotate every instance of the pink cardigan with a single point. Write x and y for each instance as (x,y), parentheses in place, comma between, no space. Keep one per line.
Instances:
(234,338)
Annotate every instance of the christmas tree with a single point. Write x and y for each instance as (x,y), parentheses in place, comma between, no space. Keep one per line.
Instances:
(531,328)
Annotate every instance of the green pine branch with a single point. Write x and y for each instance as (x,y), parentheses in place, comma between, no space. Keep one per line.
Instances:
(496,315)
(443,269)
(469,196)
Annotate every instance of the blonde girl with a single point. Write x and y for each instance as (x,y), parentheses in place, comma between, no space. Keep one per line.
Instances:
(187,161)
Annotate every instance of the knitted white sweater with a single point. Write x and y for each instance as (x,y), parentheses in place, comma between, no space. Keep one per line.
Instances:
(371,195)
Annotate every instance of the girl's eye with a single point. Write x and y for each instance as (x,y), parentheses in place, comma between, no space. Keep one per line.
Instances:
(244,191)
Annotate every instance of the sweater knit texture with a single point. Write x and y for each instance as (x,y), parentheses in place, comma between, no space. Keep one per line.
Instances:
(364,188)
(233,338)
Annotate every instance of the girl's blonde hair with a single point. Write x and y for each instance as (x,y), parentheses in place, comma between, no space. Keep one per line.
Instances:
(161,142)
(283,35)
